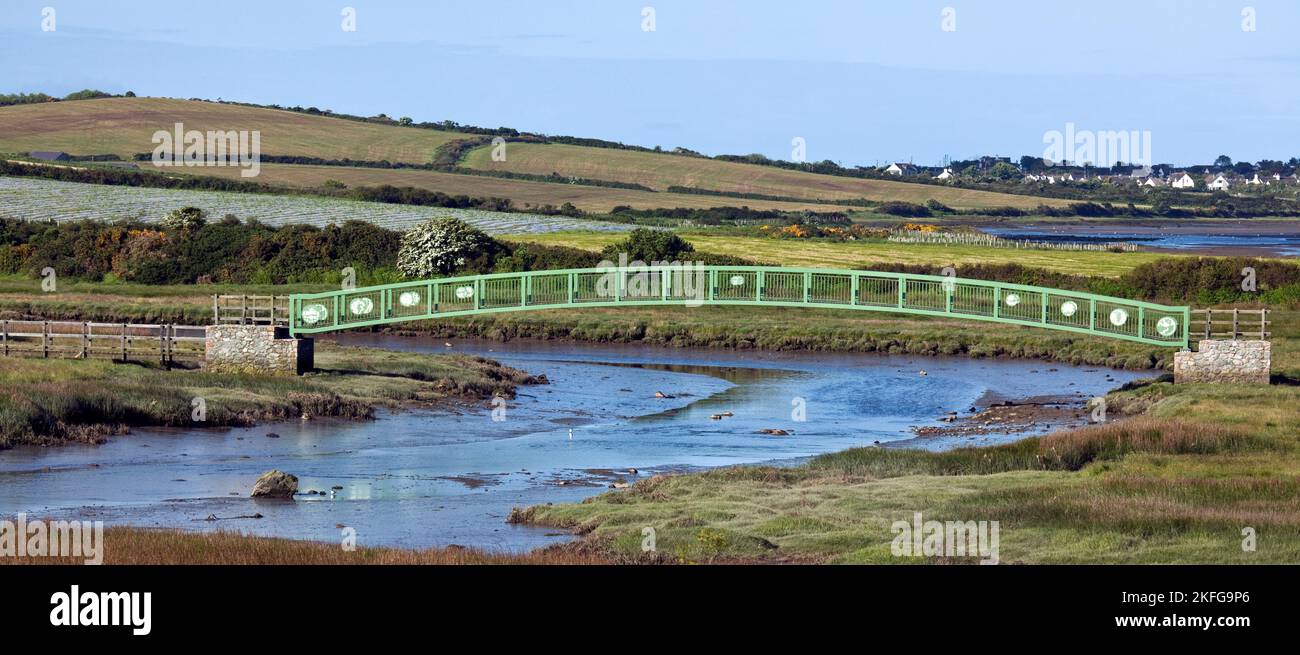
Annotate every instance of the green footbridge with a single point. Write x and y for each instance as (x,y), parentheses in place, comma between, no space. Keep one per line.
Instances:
(693,285)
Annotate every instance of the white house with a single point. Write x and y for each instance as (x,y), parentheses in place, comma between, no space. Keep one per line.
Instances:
(1217,183)
(1152,181)
(900,169)
(945,175)
(1255,180)
(1182,180)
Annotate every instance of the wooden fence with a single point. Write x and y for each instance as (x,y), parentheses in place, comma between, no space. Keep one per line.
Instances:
(250,310)
(1230,324)
(165,344)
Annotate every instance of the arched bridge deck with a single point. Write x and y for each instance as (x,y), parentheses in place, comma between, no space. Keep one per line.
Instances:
(685,285)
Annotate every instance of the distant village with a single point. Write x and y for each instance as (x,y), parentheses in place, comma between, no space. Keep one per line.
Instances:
(1223,175)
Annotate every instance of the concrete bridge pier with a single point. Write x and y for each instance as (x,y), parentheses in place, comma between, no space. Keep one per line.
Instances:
(260,349)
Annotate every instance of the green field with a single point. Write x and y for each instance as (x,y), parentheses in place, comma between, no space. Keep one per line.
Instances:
(125,126)
(659,171)
(860,254)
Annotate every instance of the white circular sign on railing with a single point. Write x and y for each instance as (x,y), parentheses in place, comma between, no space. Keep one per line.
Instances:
(313,314)
(1069,308)
(361,306)
(465,292)
(737,280)
(1118,317)
(1167,326)
(1013,299)
(409,298)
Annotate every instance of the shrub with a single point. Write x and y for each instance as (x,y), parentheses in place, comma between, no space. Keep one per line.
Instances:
(646,245)
(903,209)
(185,219)
(442,246)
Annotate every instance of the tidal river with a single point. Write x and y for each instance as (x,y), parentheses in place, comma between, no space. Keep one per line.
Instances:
(434,478)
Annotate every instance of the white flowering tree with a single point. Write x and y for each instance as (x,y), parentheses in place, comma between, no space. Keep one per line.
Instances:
(440,246)
(185,219)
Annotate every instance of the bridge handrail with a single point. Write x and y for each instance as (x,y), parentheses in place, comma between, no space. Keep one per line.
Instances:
(1182,312)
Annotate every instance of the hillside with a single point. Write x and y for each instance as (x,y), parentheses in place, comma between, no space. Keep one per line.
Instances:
(125,126)
(660,171)
(524,193)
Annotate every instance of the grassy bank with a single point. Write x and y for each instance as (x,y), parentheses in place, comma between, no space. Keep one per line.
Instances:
(140,546)
(1178,485)
(182,304)
(59,401)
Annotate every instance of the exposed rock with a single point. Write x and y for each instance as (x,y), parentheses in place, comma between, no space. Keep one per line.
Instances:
(275,484)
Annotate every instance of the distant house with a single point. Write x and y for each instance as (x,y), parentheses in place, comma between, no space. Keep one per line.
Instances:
(45,155)
(1181,180)
(900,169)
(1139,174)
(1217,182)
(1255,180)
(947,174)
(1152,181)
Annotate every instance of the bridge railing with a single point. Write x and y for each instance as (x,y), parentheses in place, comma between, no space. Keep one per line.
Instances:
(1015,304)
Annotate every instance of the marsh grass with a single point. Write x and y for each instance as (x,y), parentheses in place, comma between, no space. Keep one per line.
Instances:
(55,401)
(1152,488)
(141,546)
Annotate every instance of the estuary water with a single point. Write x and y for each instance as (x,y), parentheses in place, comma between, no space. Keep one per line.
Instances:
(424,478)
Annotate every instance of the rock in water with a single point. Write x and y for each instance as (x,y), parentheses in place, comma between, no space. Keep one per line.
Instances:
(275,484)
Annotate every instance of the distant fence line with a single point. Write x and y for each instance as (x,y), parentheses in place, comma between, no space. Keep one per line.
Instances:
(991,241)
(165,344)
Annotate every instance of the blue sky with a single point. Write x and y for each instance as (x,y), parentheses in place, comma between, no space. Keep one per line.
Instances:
(862,82)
